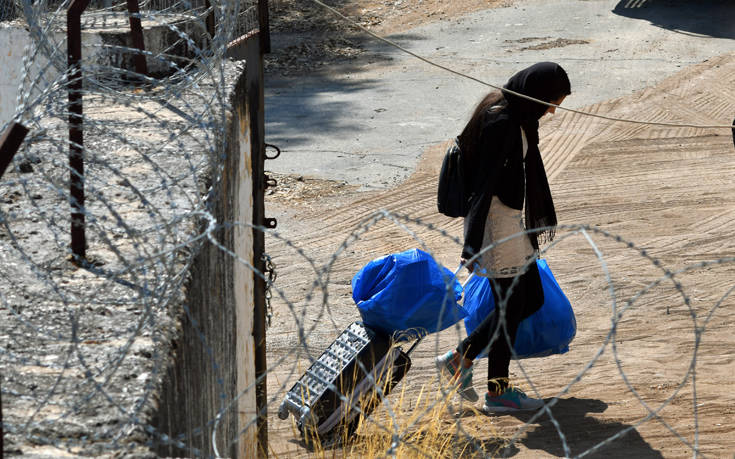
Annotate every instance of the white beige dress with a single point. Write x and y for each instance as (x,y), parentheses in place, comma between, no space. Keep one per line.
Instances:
(511,257)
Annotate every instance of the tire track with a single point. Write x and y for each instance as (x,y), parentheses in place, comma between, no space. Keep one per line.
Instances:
(670,190)
(568,141)
(718,221)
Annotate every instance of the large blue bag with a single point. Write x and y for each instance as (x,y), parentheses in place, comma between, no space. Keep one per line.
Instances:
(407,291)
(547,331)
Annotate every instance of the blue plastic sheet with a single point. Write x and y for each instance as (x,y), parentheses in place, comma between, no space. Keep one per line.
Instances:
(407,291)
(548,331)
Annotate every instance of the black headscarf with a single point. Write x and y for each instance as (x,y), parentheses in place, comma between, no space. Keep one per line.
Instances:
(545,81)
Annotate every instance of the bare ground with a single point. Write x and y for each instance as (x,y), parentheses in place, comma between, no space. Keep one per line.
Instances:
(314,38)
(653,199)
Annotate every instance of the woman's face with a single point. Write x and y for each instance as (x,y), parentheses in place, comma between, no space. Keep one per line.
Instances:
(558,101)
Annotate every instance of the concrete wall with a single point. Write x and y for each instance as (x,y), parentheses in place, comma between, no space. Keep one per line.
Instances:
(15,40)
(244,283)
(105,47)
(159,36)
(210,388)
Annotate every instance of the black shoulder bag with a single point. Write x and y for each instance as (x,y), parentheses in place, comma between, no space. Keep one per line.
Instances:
(453,196)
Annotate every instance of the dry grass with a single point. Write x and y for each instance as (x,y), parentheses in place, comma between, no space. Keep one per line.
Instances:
(428,427)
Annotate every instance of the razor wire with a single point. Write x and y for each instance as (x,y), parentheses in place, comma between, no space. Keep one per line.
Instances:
(83,351)
(8,10)
(617,313)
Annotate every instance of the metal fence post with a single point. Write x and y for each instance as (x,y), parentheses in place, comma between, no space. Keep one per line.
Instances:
(76,128)
(264,26)
(9,143)
(210,21)
(136,31)
(11,140)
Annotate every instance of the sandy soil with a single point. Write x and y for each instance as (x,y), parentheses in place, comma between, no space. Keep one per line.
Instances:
(653,200)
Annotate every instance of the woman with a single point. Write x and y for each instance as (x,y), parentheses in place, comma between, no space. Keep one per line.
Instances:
(501,141)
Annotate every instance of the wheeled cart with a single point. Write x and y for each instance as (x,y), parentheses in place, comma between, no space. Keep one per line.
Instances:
(350,377)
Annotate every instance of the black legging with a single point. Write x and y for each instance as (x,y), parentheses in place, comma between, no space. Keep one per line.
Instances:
(526,298)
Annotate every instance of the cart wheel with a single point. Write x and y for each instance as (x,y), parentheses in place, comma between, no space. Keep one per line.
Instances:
(283,412)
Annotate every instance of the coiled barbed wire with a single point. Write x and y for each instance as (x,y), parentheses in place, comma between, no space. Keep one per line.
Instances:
(82,350)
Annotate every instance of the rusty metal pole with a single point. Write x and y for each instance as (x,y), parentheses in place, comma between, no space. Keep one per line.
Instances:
(9,143)
(76,129)
(11,140)
(136,31)
(209,22)
(264,25)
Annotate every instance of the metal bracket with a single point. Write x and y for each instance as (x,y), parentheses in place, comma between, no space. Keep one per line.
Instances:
(278,151)
(270,222)
(269,182)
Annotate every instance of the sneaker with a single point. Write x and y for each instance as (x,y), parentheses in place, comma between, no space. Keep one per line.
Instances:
(447,368)
(513,399)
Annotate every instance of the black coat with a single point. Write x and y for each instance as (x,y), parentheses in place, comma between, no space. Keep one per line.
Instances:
(498,157)
(498,170)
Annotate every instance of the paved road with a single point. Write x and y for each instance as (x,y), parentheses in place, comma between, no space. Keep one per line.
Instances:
(369,124)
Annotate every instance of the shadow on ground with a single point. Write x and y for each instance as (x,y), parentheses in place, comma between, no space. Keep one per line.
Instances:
(299,105)
(582,432)
(293,115)
(683,16)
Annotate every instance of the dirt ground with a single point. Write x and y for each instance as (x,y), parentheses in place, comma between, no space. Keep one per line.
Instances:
(646,261)
(319,39)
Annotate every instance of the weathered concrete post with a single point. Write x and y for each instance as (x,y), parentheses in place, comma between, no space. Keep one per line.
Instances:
(214,396)
(244,281)
(249,245)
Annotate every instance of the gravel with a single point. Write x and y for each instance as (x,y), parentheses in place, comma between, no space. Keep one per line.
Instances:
(83,351)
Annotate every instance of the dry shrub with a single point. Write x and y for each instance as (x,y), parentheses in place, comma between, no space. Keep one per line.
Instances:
(431,426)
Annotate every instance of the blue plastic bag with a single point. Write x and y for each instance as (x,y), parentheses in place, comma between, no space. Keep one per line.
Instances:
(407,291)
(547,331)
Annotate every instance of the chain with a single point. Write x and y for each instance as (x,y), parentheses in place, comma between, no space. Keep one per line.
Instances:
(270,271)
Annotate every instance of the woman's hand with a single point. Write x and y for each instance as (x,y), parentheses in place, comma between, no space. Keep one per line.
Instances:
(463,262)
